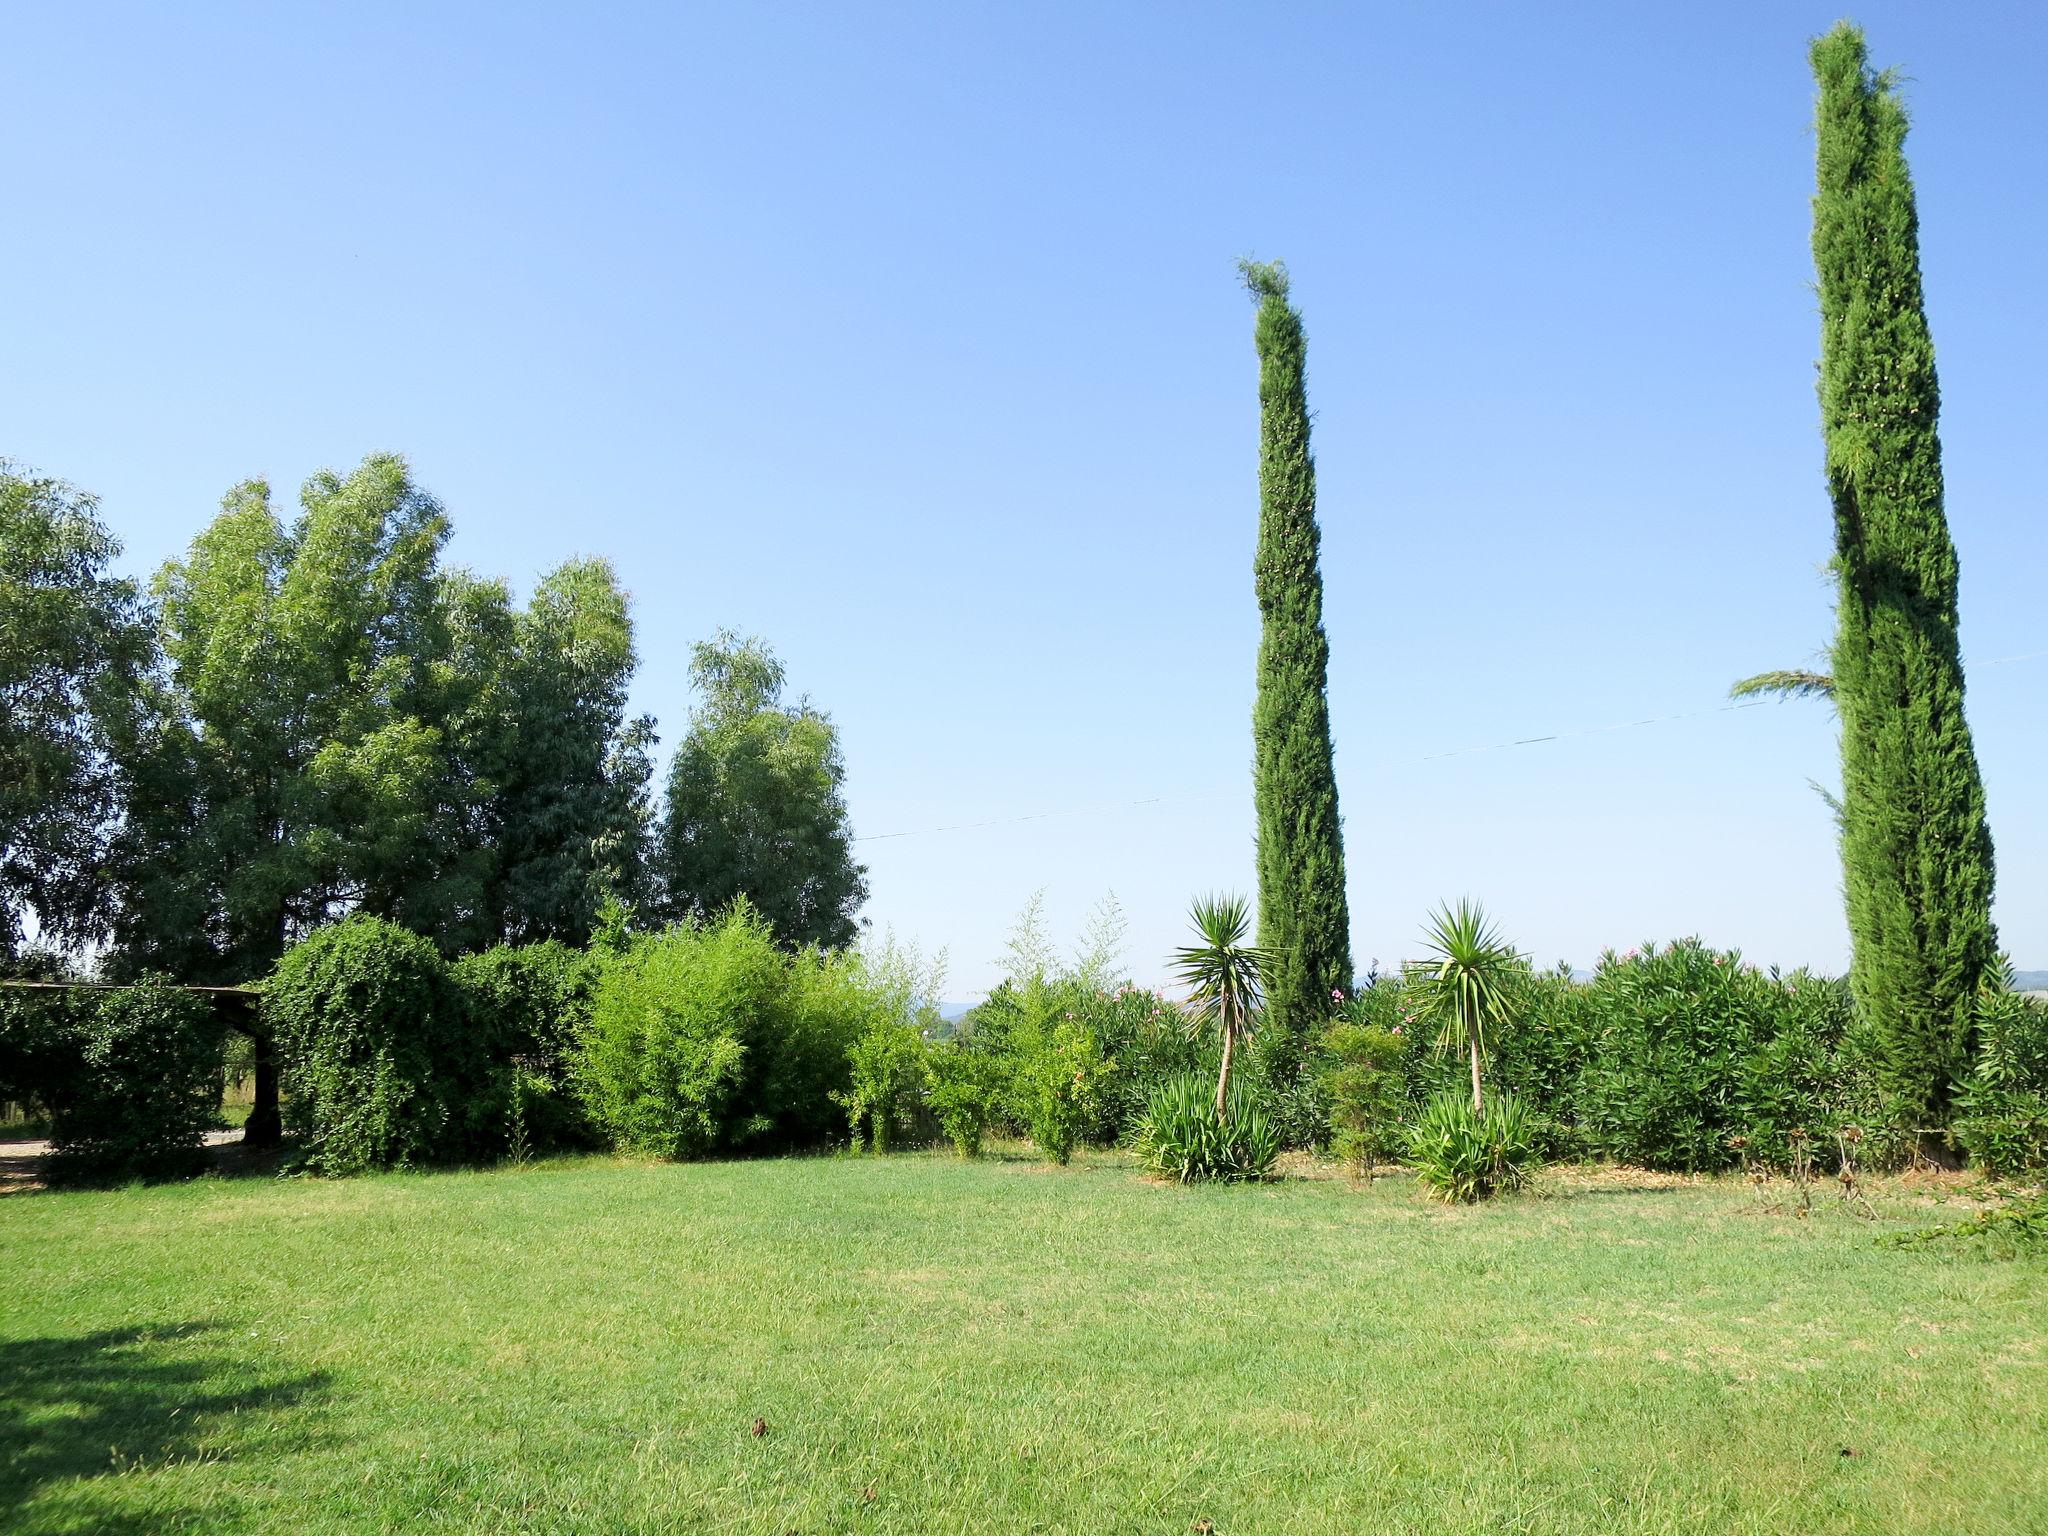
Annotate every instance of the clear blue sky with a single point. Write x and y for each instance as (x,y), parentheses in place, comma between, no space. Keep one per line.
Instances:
(908,338)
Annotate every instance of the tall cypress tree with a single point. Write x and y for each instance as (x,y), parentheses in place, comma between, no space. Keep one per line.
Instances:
(1916,850)
(1304,919)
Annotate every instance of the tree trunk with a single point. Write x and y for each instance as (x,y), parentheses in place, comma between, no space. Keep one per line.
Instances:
(1223,1077)
(265,1127)
(1478,1103)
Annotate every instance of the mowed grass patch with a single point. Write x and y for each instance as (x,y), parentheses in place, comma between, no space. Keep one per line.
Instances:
(935,1346)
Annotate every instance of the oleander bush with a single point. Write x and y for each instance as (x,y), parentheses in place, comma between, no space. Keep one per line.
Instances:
(382,1067)
(2002,1109)
(1181,1136)
(144,1090)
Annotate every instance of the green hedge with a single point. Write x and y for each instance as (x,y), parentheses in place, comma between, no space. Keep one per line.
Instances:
(143,1085)
(382,1066)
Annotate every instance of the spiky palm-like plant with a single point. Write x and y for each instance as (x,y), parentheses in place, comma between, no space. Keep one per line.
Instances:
(1225,977)
(1467,983)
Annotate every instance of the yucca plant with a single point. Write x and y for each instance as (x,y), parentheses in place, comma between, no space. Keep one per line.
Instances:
(1462,1154)
(1467,983)
(1181,1134)
(1225,978)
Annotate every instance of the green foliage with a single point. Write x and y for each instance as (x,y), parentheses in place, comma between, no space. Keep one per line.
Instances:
(40,1036)
(282,767)
(1466,986)
(887,1061)
(1304,922)
(2002,1110)
(528,1006)
(964,1089)
(342,725)
(1916,847)
(711,1037)
(1464,1154)
(680,1033)
(381,1066)
(1364,1085)
(1058,1073)
(1183,1136)
(560,773)
(1692,1049)
(72,649)
(756,806)
(1224,974)
(2016,1227)
(146,1090)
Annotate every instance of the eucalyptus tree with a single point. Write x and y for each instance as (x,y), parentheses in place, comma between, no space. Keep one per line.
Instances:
(1304,918)
(756,804)
(73,646)
(1916,845)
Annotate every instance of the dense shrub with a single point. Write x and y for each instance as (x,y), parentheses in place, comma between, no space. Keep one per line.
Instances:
(680,1035)
(1691,1050)
(40,1040)
(1181,1136)
(1462,1154)
(2002,1109)
(1141,1037)
(528,1005)
(382,1068)
(709,1037)
(146,1088)
(1058,1071)
(964,1089)
(1363,1088)
(887,1070)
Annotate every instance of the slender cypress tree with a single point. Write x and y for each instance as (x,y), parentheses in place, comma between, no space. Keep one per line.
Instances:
(1304,920)
(1916,850)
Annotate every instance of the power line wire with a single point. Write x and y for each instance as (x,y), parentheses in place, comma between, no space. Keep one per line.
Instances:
(1433,757)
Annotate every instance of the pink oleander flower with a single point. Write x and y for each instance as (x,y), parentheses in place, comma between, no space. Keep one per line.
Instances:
(1336,994)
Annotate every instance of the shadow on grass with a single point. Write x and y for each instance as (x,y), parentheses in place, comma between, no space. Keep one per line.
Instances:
(23,1166)
(99,1405)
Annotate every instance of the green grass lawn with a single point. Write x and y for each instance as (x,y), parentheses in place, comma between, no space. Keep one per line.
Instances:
(945,1347)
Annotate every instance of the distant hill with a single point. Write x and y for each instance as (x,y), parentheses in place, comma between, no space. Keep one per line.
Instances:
(2030,981)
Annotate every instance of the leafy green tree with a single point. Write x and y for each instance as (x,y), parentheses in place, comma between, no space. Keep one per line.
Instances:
(564,771)
(755,804)
(341,725)
(285,770)
(1304,919)
(1225,975)
(1916,847)
(72,649)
